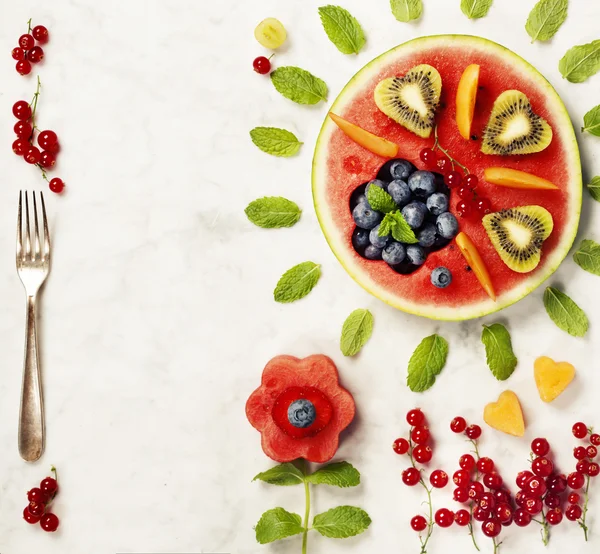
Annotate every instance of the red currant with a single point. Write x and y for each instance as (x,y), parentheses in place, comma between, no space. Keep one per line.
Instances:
(473,431)
(582,466)
(418,523)
(458,424)
(580,452)
(453,179)
(521,518)
(443,164)
(420,435)
(520,498)
(422,453)
(461,494)
(557,484)
(467,462)
(444,517)
(485,465)
(466,193)
(47,159)
(262,65)
(573,512)
(592,452)
(47,140)
(535,487)
(20,146)
(461,478)
(36,54)
(439,479)
(36,509)
(595,439)
(49,523)
(522,478)
(50,486)
(21,110)
(57,185)
(23,67)
(411,476)
(475,490)
(492,481)
(554,516)
(32,155)
(40,33)
(580,430)
(542,467)
(471,181)
(37,495)
(26,42)
(593,469)
(502,496)
(486,501)
(491,528)
(483,206)
(540,447)
(415,418)
(479,514)
(552,500)
(428,156)
(573,498)
(462,518)
(29,517)
(504,513)
(23,129)
(400,446)
(464,209)
(576,480)
(18,54)
(533,505)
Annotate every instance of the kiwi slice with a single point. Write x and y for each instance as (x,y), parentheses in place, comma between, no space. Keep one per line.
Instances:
(518,234)
(411,100)
(513,127)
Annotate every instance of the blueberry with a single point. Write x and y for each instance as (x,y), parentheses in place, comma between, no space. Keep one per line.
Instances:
(415,254)
(422,183)
(365,216)
(376,240)
(437,203)
(395,169)
(360,239)
(394,253)
(302,413)
(400,192)
(373,253)
(441,277)
(426,235)
(447,226)
(377,183)
(358,195)
(414,213)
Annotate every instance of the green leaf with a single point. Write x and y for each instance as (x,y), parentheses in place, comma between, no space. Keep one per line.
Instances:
(395,224)
(594,188)
(342,522)
(299,85)
(406,10)
(338,474)
(567,315)
(342,29)
(271,212)
(284,475)
(297,282)
(581,62)
(426,363)
(545,19)
(274,141)
(475,9)
(591,121)
(356,331)
(587,256)
(277,524)
(498,351)
(380,200)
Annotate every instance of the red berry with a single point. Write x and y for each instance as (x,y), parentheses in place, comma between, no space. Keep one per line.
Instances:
(462,518)
(23,67)
(49,523)
(471,181)
(552,500)
(479,514)
(262,65)
(521,518)
(475,491)
(522,478)
(540,447)
(574,498)
(57,185)
(458,424)
(23,129)
(400,446)
(464,210)
(461,494)
(36,509)
(580,452)
(462,478)
(483,206)
(415,417)
(20,146)
(504,513)
(420,435)
(485,465)
(26,42)
(554,516)
(542,467)
(439,479)
(486,501)
(47,159)
(443,164)
(47,140)
(492,481)
(428,156)
(40,33)
(467,462)
(491,528)
(557,484)
(473,431)
(422,453)
(582,466)
(21,110)
(444,517)
(573,512)
(36,54)
(418,523)
(18,54)
(466,193)
(37,495)
(592,452)
(593,469)
(595,439)
(535,487)
(502,496)
(29,517)
(453,179)
(32,155)
(576,480)
(580,430)
(520,498)
(533,505)
(411,476)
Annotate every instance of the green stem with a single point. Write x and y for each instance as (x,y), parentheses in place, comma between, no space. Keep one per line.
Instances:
(585,509)
(496,545)
(545,531)
(471,531)
(430,519)
(29,25)
(453,161)
(306,510)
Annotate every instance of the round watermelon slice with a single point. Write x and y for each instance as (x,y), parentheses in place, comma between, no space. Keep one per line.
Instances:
(340,166)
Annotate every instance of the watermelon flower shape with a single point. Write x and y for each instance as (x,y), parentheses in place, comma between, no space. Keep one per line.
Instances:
(300,408)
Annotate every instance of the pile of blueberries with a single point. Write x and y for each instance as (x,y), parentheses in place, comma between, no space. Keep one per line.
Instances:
(423,199)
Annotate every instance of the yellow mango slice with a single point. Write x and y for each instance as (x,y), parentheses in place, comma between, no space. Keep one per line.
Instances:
(551,377)
(506,415)
(378,145)
(476,263)
(516,179)
(466,94)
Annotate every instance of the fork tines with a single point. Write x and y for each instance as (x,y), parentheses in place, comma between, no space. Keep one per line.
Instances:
(39,249)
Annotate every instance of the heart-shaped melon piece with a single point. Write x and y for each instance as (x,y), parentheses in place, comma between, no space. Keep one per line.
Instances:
(551,377)
(506,415)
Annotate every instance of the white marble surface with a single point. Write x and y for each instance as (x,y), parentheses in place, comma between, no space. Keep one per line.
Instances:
(158,315)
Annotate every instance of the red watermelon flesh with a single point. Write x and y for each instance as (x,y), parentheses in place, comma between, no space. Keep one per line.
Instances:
(340,166)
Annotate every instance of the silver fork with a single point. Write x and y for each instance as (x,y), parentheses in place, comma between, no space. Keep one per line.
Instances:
(33,266)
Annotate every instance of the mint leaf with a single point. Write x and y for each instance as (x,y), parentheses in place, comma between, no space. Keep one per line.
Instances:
(594,188)
(545,19)
(567,315)
(380,200)
(277,524)
(297,282)
(299,85)
(284,475)
(271,212)
(498,351)
(587,256)
(338,474)
(342,522)
(406,10)
(591,121)
(474,9)
(395,224)
(426,363)
(274,141)
(356,331)
(581,62)
(342,29)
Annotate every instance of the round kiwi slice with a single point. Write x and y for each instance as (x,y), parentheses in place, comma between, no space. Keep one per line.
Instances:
(518,234)
(411,100)
(513,127)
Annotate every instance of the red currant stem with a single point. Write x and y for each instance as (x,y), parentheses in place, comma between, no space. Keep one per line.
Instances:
(545,531)
(44,176)
(496,545)
(430,522)
(585,509)
(29,25)
(436,144)
(471,531)
(33,105)
(305,469)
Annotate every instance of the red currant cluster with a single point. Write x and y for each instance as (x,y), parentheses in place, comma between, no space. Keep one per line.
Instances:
(40,499)
(28,52)
(25,129)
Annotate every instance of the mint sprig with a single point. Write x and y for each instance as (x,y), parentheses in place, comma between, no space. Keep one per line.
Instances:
(567,315)
(342,522)
(297,282)
(594,188)
(406,10)
(581,62)
(299,85)
(275,141)
(380,200)
(395,224)
(426,363)
(545,19)
(498,351)
(587,256)
(273,212)
(277,524)
(356,331)
(342,29)
(475,9)
(591,121)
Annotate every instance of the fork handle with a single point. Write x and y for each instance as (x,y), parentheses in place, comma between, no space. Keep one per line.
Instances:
(31,416)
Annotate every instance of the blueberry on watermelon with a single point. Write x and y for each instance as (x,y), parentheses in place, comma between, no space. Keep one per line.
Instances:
(422,184)
(400,192)
(365,216)
(360,239)
(376,240)
(414,214)
(396,169)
